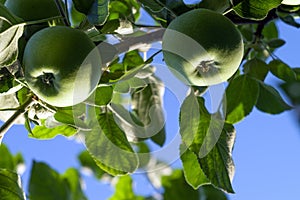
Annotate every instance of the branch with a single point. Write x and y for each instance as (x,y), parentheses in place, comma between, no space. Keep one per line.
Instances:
(4,128)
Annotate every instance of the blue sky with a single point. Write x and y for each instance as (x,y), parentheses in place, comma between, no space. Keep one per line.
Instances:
(266,151)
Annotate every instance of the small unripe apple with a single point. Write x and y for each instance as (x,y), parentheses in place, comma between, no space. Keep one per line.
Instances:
(62,65)
(202,47)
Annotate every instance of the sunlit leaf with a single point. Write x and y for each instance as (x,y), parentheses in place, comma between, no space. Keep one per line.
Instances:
(109,146)
(240,97)
(87,161)
(255,9)
(282,70)
(72,176)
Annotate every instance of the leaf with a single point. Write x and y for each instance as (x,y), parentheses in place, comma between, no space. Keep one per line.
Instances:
(275,43)
(292,89)
(109,146)
(256,68)
(216,5)
(211,193)
(87,161)
(270,101)
(83,6)
(255,9)
(270,31)
(176,188)
(10,185)
(98,12)
(50,129)
(7,159)
(45,183)
(193,173)
(72,176)
(289,19)
(282,70)
(147,104)
(210,139)
(124,190)
(240,97)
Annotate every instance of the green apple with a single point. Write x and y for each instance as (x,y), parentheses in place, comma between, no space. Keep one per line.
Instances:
(62,65)
(202,47)
(31,10)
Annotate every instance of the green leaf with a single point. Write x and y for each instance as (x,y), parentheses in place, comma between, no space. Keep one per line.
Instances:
(176,188)
(210,139)
(129,84)
(87,161)
(191,168)
(72,176)
(98,13)
(51,129)
(147,105)
(256,68)
(83,6)
(255,9)
(289,19)
(47,184)
(124,190)
(282,70)
(240,97)
(216,5)
(292,90)
(270,101)
(101,97)
(10,185)
(7,159)
(270,31)
(208,192)
(109,146)
(275,43)
(72,116)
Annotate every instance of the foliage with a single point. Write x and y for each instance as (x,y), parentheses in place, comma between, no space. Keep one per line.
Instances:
(124,117)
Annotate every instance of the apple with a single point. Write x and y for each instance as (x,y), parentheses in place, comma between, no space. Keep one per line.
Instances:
(202,47)
(62,65)
(31,10)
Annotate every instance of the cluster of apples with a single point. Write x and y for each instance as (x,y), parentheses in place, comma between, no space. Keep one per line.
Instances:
(201,47)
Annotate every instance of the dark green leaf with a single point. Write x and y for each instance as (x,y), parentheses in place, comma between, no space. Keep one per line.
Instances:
(216,5)
(209,192)
(124,190)
(270,101)
(270,31)
(297,71)
(176,188)
(109,146)
(290,20)
(110,26)
(101,97)
(255,9)
(275,43)
(256,68)
(10,186)
(50,129)
(98,12)
(45,183)
(83,6)
(147,105)
(240,98)
(132,59)
(282,70)
(292,90)
(87,161)
(191,168)
(72,176)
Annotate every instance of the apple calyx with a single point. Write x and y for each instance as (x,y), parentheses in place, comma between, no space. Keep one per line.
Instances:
(47,78)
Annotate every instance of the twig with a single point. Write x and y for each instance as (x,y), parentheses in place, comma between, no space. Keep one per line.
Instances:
(14,117)
(62,12)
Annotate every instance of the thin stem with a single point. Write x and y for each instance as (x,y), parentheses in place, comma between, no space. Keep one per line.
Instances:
(4,128)
(62,12)
(42,20)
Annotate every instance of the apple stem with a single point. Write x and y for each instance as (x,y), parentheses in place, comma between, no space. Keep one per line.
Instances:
(22,108)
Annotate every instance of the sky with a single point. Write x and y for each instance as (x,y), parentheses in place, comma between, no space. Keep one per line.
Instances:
(266,151)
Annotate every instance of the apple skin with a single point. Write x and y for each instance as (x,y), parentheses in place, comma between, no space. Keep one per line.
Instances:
(202,47)
(31,10)
(62,65)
